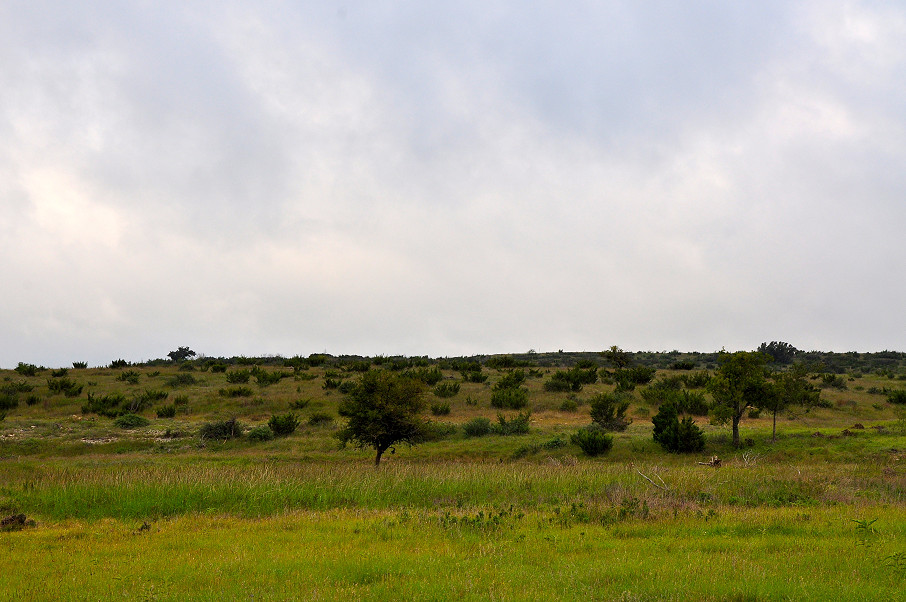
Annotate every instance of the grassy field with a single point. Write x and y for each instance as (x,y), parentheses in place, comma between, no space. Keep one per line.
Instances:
(159,512)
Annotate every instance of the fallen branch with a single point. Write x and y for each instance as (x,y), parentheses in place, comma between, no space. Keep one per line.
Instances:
(662,486)
(714,462)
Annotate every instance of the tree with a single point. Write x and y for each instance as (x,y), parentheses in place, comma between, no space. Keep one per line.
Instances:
(383,409)
(608,411)
(675,435)
(780,352)
(738,383)
(181,354)
(788,388)
(616,356)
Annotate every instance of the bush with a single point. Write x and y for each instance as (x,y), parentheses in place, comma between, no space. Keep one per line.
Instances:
(518,425)
(181,400)
(510,380)
(261,433)
(608,411)
(32,400)
(682,365)
(59,373)
(511,399)
(167,411)
(674,435)
(236,392)
(8,401)
(477,427)
(560,382)
(436,431)
(440,409)
(299,404)
(120,363)
(592,440)
(692,402)
(447,389)
(697,380)
(897,396)
(64,385)
(331,383)
(283,425)
(218,368)
(223,430)
(320,419)
(266,379)
(26,369)
(238,377)
(429,376)
(110,405)
(182,380)
(474,376)
(131,421)
(79,365)
(569,405)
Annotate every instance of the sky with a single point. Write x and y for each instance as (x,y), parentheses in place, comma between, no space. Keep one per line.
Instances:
(449,178)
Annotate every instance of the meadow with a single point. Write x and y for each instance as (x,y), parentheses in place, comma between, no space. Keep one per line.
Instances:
(161,511)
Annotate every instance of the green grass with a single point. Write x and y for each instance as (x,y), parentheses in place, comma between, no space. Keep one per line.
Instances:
(503,517)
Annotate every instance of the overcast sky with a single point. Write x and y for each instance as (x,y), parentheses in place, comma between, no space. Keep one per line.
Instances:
(449,178)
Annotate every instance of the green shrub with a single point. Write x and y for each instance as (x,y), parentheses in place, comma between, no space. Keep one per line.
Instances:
(447,389)
(511,399)
(682,365)
(236,392)
(181,400)
(440,408)
(110,405)
(608,411)
(437,431)
(569,405)
(429,376)
(120,363)
(59,373)
(261,433)
(674,435)
(32,400)
(27,369)
(474,376)
(18,387)
(131,421)
(8,401)
(64,385)
(320,419)
(182,380)
(283,425)
(218,368)
(477,427)
(518,425)
(510,380)
(692,402)
(697,380)
(79,365)
(592,440)
(222,430)
(561,382)
(331,383)
(265,378)
(167,411)
(238,377)
(897,396)
(754,413)
(299,404)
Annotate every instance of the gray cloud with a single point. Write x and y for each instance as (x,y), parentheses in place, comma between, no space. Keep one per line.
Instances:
(373,177)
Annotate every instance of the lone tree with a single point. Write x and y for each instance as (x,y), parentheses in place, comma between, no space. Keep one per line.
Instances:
(738,383)
(181,354)
(789,388)
(382,410)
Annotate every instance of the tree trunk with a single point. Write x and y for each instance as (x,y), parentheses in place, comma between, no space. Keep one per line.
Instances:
(774,433)
(736,431)
(377,457)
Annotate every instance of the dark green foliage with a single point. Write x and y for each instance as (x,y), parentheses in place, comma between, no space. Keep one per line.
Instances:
(696,380)
(510,380)
(181,400)
(506,362)
(510,399)
(780,352)
(111,405)
(897,396)
(569,405)
(283,425)
(150,396)
(8,400)
(32,400)
(218,368)
(131,421)
(447,389)
(357,366)
(440,408)
(59,373)
(64,385)
(682,365)
(129,376)
(332,383)
(238,377)
(382,410)
(739,383)
(320,419)
(477,427)
(186,367)
(592,440)
(181,354)
(27,369)
(692,402)
(181,380)
(236,392)
(299,404)
(18,387)
(675,435)
(167,411)
(518,425)
(560,383)
(617,357)
(628,378)
(79,365)
(475,376)
(345,386)
(222,430)
(608,411)
(265,378)
(120,363)
(261,433)
(834,381)
(429,376)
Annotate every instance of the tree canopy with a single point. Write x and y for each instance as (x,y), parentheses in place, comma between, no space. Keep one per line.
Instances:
(382,409)
(739,382)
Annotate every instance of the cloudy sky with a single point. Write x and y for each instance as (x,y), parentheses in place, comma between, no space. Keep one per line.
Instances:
(447,178)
